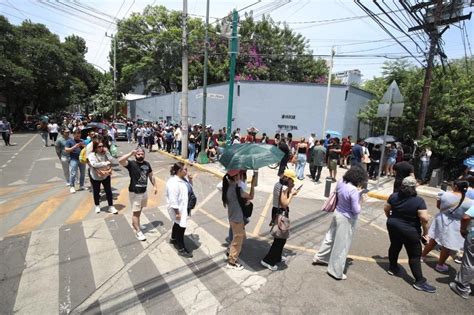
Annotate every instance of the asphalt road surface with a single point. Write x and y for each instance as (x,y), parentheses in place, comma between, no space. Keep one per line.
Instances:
(58,256)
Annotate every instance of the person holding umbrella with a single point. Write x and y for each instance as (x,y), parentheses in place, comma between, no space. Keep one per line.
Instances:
(230,200)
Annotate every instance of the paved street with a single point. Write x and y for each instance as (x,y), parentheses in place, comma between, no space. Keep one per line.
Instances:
(58,256)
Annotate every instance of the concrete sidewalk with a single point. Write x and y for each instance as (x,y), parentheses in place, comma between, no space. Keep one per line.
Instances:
(267,178)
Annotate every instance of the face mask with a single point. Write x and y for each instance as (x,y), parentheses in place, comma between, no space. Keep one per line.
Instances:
(140,158)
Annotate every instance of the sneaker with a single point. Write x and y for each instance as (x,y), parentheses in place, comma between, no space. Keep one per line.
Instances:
(97,209)
(344,277)
(458,260)
(456,290)
(82,188)
(226,255)
(422,258)
(235,266)
(318,262)
(185,253)
(141,236)
(425,286)
(72,190)
(272,268)
(284,259)
(441,268)
(113,210)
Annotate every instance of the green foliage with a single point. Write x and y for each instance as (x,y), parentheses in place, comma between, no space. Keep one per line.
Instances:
(40,72)
(103,100)
(449,120)
(149,50)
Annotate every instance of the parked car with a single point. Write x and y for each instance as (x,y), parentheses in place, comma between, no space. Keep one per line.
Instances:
(121,131)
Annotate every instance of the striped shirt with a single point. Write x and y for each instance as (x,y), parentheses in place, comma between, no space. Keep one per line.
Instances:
(276,194)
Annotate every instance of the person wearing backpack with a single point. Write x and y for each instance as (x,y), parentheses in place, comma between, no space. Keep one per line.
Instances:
(235,214)
(74,147)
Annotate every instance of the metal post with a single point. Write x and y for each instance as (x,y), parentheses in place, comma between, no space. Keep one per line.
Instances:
(202,158)
(184,85)
(114,43)
(333,52)
(392,92)
(327,187)
(233,61)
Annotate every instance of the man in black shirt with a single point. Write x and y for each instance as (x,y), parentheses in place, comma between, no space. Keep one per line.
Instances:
(402,169)
(140,171)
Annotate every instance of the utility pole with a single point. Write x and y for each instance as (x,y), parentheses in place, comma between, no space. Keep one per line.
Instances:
(431,28)
(114,42)
(233,60)
(202,157)
(184,85)
(333,52)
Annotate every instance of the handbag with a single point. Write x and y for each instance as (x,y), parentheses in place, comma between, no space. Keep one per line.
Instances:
(331,203)
(281,222)
(104,171)
(246,208)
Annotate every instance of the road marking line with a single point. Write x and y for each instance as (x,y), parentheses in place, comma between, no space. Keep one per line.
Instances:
(39,284)
(7,190)
(263,215)
(81,211)
(39,215)
(24,146)
(24,198)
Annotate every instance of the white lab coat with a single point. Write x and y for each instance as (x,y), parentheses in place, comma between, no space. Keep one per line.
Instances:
(177,198)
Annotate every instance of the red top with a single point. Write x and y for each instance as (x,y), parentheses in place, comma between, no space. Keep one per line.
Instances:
(346,148)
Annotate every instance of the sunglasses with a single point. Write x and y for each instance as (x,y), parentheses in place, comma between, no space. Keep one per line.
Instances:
(100,146)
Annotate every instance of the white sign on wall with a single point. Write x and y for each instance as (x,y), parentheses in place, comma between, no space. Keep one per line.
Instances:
(211,95)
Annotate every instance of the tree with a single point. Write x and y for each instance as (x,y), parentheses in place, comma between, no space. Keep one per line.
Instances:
(149,45)
(449,123)
(40,72)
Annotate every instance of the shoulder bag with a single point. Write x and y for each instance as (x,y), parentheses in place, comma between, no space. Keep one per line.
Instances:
(331,203)
(281,224)
(103,171)
(246,209)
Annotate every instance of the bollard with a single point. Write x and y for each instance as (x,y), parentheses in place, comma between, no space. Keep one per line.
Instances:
(444,185)
(327,188)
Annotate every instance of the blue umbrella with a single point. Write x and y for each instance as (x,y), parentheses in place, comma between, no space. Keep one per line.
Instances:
(334,133)
(469,162)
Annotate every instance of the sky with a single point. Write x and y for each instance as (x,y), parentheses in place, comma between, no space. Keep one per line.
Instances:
(352,33)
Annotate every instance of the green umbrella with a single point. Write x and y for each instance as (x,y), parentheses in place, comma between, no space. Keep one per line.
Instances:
(250,156)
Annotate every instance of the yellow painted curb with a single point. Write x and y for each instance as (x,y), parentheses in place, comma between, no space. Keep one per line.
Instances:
(377,195)
(196,165)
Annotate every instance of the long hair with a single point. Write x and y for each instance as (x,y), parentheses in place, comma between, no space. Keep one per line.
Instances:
(462,186)
(225,187)
(176,167)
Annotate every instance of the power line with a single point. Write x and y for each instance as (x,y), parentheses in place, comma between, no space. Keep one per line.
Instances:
(335,20)
(467,37)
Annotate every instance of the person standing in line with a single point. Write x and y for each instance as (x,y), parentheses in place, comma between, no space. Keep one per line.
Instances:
(425,164)
(178,138)
(407,223)
(177,200)
(391,160)
(444,229)
(337,242)
(461,284)
(74,147)
(140,171)
(243,187)
(311,140)
(191,147)
(264,139)
(284,160)
(357,153)
(365,157)
(6,130)
(235,214)
(318,156)
(129,131)
(60,146)
(402,169)
(53,132)
(334,153)
(283,195)
(100,172)
(375,162)
(302,150)
(346,149)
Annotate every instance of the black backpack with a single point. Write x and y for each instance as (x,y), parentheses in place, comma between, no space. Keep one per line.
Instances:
(246,209)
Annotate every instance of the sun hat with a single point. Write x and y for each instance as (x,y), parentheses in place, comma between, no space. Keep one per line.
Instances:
(232,173)
(291,174)
(409,181)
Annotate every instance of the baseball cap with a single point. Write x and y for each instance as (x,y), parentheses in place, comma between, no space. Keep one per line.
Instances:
(291,174)
(232,173)
(409,181)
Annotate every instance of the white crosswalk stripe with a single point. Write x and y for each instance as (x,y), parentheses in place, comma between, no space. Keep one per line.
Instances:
(39,281)
(248,280)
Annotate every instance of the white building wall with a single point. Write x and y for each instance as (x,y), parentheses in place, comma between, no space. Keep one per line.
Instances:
(269,106)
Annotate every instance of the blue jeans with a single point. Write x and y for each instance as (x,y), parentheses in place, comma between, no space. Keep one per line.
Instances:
(300,164)
(424,169)
(73,166)
(192,151)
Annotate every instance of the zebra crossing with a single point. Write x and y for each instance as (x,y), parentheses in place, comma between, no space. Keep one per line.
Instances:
(98,266)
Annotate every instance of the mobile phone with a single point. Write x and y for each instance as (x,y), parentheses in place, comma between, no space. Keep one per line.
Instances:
(364,191)
(299,187)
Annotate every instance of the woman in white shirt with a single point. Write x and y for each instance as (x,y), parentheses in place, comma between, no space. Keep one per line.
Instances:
(177,200)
